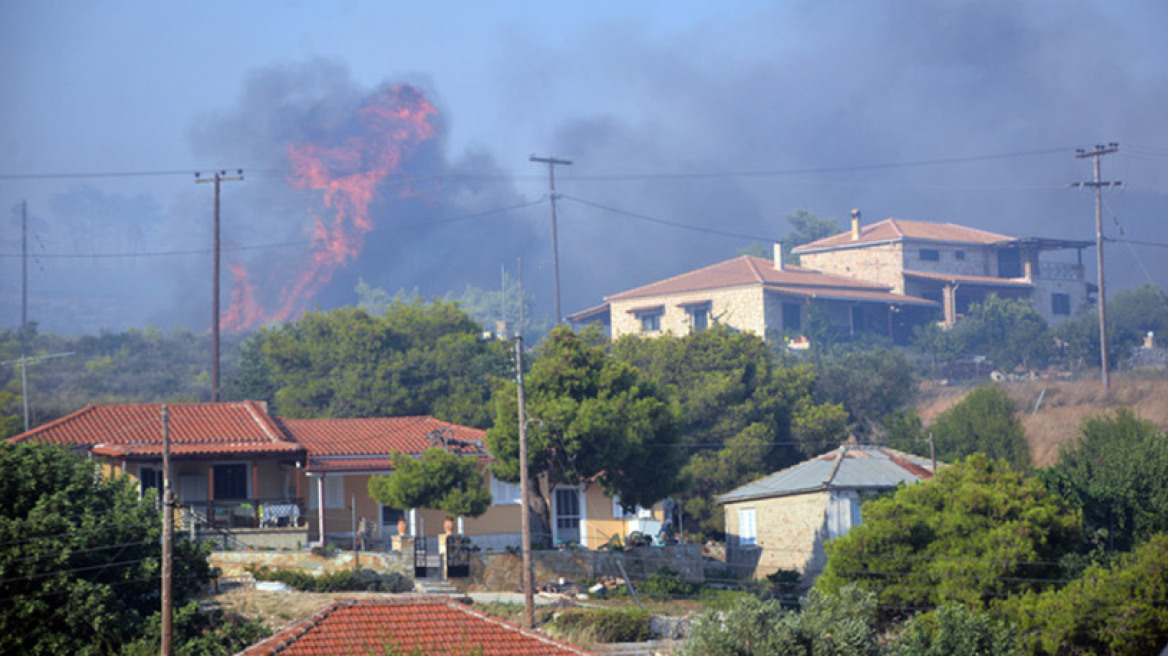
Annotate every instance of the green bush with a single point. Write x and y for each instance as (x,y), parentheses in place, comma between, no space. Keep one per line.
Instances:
(667,584)
(345,580)
(604,625)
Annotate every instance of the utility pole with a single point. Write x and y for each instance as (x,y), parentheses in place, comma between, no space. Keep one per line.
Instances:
(220,177)
(551,164)
(1098,185)
(933,452)
(23,361)
(525,515)
(23,272)
(167,541)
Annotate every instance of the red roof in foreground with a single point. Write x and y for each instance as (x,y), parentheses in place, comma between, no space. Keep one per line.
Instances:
(380,435)
(195,429)
(427,625)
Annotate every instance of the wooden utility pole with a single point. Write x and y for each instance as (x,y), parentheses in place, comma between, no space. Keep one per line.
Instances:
(23,273)
(933,452)
(551,164)
(1097,184)
(167,542)
(220,177)
(525,515)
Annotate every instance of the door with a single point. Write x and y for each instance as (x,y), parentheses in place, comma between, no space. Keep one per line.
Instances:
(192,496)
(567,509)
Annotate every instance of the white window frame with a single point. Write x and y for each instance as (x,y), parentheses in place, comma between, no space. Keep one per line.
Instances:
(747,527)
(638,513)
(505,494)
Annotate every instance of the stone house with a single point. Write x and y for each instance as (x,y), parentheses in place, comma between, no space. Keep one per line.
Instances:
(758,295)
(781,521)
(245,477)
(956,266)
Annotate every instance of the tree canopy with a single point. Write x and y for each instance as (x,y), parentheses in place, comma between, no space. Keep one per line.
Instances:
(741,414)
(1131,314)
(978,531)
(593,417)
(1007,331)
(1116,473)
(81,556)
(418,358)
(984,421)
(438,479)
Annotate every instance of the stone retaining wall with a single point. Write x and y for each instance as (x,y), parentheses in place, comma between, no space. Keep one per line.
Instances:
(233,563)
(500,571)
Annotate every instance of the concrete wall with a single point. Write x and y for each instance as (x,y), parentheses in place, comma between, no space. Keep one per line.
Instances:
(500,571)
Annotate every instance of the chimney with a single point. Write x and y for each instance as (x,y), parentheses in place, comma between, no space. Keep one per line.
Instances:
(778,256)
(856,225)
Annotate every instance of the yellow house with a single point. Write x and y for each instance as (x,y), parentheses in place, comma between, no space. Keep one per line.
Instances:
(246,478)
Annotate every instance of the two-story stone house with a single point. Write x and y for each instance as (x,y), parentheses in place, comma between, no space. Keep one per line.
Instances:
(758,295)
(955,265)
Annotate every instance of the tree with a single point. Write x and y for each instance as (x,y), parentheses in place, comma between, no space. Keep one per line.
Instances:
(593,418)
(978,531)
(870,384)
(954,630)
(741,414)
(808,227)
(1131,314)
(1009,331)
(1119,609)
(1116,473)
(418,358)
(984,421)
(438,479)
(842,625)
(80,563)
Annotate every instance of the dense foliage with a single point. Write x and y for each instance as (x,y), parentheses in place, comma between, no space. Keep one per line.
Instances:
(593,417)
(872,384)
(418,358)
(985,421)
(741,414)
(81,556)
(1007,331)
(978,531)
(954,630)
(1116,473)
(339,581)
(438,479)
(1131,314)
(842,625)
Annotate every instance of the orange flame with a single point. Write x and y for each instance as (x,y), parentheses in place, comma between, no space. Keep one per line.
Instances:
(345,176)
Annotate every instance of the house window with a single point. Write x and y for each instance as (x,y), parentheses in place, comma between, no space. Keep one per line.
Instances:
(390,517)
(791,322)
(1009,264)
(230,481)
(150,482)
(959,255)
(650,322)
(930,255)
(747,536)
(505,494)
(637,513)
(1060,304)
(699,317)
(334,493)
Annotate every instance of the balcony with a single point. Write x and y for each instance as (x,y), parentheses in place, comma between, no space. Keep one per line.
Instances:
(269,513)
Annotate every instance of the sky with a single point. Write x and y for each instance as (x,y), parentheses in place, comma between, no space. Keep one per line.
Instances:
(390,142)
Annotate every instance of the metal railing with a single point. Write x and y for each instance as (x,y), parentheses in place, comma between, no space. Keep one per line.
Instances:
(244,513)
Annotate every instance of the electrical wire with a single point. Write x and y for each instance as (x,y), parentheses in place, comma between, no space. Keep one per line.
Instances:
(675,224)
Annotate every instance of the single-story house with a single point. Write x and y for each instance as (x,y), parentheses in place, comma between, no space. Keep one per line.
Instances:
(781,521)
(248,478)
(407,625)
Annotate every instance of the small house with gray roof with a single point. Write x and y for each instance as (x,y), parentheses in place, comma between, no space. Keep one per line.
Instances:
(783,520)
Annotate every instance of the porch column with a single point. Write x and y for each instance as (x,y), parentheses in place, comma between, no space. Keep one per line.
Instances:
(320,506)
(461,525)
(413,522)
(255,492)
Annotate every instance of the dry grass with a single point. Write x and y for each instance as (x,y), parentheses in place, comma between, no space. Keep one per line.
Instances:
(1064,406)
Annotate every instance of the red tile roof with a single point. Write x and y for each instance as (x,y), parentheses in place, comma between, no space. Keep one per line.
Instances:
(135,429)
(898,229)
(424,625)
(745,270)
(379,435)
(859,295)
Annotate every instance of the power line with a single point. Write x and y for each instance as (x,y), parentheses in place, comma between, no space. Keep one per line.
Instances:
(675,224)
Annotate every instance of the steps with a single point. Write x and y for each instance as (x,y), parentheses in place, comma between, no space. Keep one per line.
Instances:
(435,587)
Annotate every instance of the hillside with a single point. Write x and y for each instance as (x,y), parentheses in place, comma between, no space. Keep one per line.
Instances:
(1064,405)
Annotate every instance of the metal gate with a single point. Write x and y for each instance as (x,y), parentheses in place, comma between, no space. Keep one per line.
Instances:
(457,556)
(427,563)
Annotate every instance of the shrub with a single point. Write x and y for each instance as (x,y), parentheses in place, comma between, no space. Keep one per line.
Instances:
(604,625)
(666,584)
(345,580)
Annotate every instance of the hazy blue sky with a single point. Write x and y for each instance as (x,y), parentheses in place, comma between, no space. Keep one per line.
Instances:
(768,107)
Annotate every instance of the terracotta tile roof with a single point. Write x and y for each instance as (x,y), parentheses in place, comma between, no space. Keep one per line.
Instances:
(135,429)
(898,229)
(745,270)
(969,280)
(424,625)
(335,440)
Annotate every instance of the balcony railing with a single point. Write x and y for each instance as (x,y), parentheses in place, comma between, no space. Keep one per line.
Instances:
(244,513)
(1060,271)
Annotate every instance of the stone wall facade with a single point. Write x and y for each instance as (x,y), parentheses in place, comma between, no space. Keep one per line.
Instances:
(878,263)
(790,532)
(234,563)
(500,571)
(739,307)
